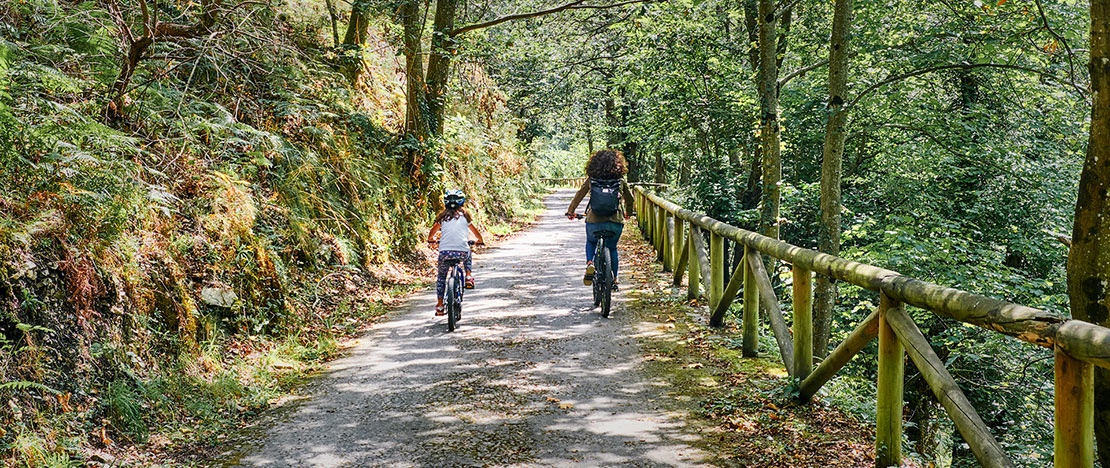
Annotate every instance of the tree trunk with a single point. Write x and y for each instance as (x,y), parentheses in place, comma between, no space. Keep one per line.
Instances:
(357,29)
(755,174)
(769,120)
(660,168)
(828,231)
(1089,258)
(589,138)
(614,134)
(439,62)
(416,117)
(631,150)
(751,25)
(358,25)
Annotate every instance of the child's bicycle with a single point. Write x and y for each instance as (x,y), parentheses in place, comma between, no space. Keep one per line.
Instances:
(603,280)
(453,291)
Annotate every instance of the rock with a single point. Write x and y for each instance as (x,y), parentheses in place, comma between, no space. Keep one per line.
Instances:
(219,297)
(98,456)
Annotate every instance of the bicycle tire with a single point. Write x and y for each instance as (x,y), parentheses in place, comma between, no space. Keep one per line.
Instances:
(599,265)
(606,275)
(453,299)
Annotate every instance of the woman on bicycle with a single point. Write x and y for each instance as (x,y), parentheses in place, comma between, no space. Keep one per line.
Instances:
(603,167)
(454,227)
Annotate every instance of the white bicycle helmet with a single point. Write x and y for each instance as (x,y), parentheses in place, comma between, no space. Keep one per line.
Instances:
(454,199)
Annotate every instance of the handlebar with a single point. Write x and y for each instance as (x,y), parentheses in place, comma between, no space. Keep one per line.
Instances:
(469,242)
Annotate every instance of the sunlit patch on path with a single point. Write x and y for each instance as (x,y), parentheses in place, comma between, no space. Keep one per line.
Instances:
(533,377)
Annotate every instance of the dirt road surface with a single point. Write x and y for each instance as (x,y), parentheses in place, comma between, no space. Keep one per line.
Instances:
(533,377)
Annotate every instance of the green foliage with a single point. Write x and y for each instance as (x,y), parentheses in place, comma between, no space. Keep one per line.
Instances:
(241,162)
(966,129)
(123,405)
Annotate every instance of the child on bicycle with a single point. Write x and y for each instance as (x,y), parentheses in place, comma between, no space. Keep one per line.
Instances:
(604,166)
(454,227)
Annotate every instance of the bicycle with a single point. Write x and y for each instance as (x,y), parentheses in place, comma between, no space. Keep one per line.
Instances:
(603,280)
(453,291)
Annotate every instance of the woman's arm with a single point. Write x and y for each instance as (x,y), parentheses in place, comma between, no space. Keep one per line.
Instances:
(629,202)
(578,198)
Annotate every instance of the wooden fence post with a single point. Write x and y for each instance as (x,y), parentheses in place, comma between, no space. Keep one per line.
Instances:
(717,271)
(888,417)
(751,307)
(668,241)
(681,252)
(1075,412)
(638,200)
(660,229)
(727,297)
(645,216)
(693,284)
(803,322)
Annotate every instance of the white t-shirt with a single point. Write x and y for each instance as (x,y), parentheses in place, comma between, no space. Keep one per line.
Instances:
(454,234)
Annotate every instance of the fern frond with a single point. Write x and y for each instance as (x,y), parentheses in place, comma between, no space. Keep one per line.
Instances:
(23,386)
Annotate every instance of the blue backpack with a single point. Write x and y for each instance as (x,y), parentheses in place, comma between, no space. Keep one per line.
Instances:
(605,196)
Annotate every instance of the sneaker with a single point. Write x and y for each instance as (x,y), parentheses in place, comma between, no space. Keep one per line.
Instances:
(616,287)
(439,311)
(469,282)
(588,278)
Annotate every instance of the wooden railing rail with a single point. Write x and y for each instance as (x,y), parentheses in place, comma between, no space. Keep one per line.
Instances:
(563,182)
(677,235)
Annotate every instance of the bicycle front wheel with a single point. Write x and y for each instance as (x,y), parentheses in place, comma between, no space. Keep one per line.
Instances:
(606,276)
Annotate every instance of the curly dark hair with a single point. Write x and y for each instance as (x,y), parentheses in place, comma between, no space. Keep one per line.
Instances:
(607,164)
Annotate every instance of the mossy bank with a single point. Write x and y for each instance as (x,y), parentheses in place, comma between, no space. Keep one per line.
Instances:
(178,253)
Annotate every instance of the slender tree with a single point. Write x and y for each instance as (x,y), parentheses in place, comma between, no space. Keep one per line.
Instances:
(828,233)
(1089,258)
(769,118)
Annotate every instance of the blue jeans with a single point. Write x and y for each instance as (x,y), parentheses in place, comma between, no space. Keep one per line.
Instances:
(611,243)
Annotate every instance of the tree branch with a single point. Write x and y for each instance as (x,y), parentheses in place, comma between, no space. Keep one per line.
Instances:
(575,5)
(961,66)
(802,71)
(980,162)
(1071,56)
(785,5)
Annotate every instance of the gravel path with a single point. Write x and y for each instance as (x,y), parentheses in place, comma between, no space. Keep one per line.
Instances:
(533,377)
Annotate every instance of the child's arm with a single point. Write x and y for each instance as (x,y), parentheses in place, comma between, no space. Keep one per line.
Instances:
(477,234)
(432,234)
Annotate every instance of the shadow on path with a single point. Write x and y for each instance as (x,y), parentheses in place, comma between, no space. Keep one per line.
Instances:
(533,377)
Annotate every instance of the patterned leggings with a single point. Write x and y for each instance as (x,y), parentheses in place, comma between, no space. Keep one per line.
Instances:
(446,259)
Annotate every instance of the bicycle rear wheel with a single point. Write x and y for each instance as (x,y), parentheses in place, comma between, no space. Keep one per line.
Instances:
(600,264)
(453,299)
(605,272)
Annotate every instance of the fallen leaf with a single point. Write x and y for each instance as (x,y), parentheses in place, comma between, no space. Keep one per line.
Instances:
(63,401)
(565,406)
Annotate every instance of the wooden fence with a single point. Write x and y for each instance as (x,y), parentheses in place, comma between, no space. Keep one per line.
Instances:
(564,182)
(678,237)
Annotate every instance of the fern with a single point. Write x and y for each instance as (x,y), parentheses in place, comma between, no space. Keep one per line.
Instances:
(24,386)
